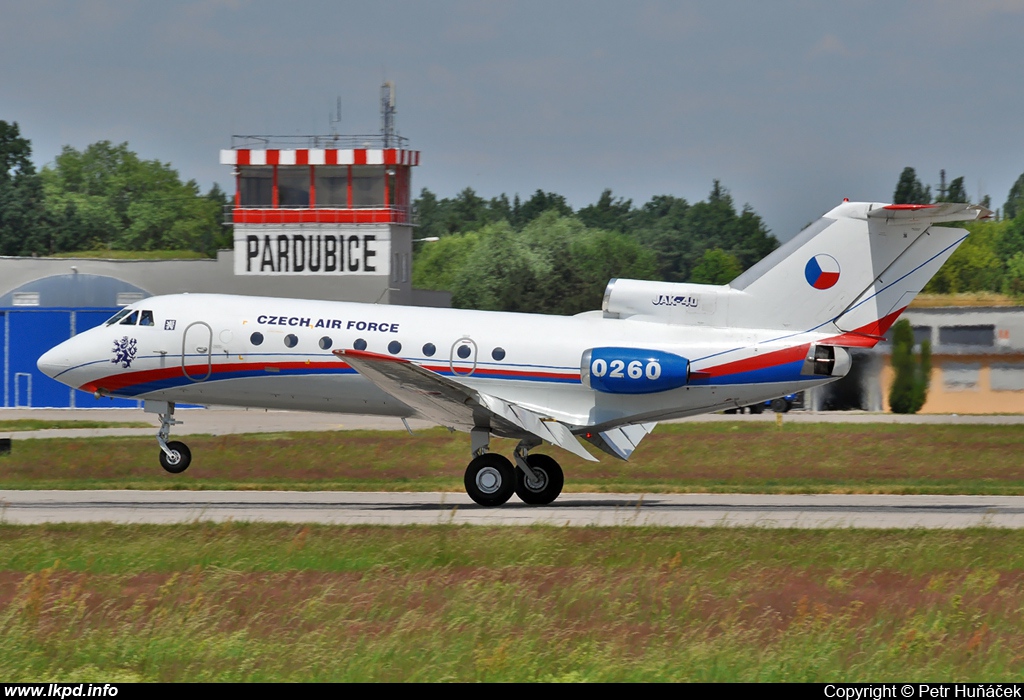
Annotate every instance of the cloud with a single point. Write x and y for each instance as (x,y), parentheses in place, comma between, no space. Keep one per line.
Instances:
(830,45)
(661,20)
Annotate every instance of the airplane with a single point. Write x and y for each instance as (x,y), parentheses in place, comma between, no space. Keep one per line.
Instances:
(654,351)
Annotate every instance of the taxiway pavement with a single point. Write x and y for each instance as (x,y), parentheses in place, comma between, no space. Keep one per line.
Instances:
(571,509)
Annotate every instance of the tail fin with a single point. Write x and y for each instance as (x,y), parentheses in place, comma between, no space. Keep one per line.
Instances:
(851,272)
(858,266)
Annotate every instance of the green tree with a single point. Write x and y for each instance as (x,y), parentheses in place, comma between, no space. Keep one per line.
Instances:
(909,388)
(106,196)
(957,192)
(435,264)
(578,262)
(680,233)
(500,273)
(608,214)
(716,267)
(909,189)
(539,203)
(554,265)
(1015,199)
(575,255)
(976,265)
(24,228)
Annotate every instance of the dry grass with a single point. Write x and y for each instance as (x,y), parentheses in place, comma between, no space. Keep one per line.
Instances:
(300,603)
(23,424)
(736,457)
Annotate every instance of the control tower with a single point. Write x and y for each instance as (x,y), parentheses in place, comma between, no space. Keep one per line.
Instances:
(334,206)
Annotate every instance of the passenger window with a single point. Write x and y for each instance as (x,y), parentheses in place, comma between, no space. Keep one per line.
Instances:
(326,343)
(360,344)
(131,320)
(394,347)
(146,319)
(291,340)
(429,349)
(256,338)
(498,354)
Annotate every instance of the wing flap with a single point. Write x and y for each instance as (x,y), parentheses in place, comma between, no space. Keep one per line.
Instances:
(621,441)
(449,402)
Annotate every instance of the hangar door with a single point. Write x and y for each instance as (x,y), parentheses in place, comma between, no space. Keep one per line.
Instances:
(28,333)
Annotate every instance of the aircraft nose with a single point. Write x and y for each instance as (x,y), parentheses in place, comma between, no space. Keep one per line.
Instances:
(53,361)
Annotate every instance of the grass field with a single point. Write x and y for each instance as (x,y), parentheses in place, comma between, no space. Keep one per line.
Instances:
(718,457)
(237,602)
(23,424)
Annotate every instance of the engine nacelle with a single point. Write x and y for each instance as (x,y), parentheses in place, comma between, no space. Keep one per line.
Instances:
(827,361)
(633,370)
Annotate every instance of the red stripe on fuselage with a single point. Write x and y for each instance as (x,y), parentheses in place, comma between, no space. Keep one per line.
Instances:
(768,359)
(115,382)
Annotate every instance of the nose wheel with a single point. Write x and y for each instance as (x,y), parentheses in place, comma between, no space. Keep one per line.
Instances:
(174,455)
(177,457)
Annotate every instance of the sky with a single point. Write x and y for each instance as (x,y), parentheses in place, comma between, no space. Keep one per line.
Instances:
(791,104)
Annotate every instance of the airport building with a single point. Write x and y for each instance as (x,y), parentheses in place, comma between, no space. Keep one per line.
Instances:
(314,217)
(977,364)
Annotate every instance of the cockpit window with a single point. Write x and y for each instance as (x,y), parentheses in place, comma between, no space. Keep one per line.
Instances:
(131,320)
(146,319)
(118,316)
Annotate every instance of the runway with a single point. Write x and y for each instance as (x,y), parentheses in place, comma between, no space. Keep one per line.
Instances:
(571,509)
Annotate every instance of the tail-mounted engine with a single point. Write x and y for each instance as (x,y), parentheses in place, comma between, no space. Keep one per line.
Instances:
(633,370)
(826,361)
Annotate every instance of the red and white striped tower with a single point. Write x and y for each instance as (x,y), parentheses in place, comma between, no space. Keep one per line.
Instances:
(325,205)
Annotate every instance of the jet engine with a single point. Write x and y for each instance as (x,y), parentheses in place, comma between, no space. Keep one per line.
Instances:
(827,361)
(633,370)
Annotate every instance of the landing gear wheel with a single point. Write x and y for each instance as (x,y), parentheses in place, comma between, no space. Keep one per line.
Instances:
(548,485)
(179,459)
(756,408)
(780,405)
(490,480)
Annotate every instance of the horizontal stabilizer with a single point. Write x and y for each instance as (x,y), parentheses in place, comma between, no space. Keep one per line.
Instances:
(448,402)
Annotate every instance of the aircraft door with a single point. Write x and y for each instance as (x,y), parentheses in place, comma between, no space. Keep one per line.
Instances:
(463,356)
(197,347)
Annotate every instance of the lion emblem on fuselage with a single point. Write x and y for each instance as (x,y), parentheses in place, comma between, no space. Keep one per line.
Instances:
(124,352)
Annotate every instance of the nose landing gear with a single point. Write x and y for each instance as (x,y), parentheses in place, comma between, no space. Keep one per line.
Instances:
(174,455)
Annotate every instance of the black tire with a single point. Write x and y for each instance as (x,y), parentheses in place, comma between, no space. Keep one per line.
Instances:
(780,405)
(184,457)
(731,411)
(490,480)
(756,408)
(551,484)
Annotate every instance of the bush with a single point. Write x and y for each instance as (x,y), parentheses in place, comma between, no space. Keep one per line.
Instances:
(910,386)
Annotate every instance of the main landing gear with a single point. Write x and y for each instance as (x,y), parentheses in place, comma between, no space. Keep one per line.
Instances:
(174,455)
(491,479)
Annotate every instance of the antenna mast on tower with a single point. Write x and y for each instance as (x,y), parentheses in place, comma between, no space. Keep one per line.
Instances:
(335,119)
(387,114)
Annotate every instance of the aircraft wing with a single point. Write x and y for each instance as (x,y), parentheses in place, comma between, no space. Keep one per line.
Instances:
(451,403)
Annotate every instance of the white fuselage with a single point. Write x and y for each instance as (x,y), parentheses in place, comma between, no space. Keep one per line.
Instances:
(201,348)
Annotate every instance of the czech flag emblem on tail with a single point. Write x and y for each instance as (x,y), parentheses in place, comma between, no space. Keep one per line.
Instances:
(822,271)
